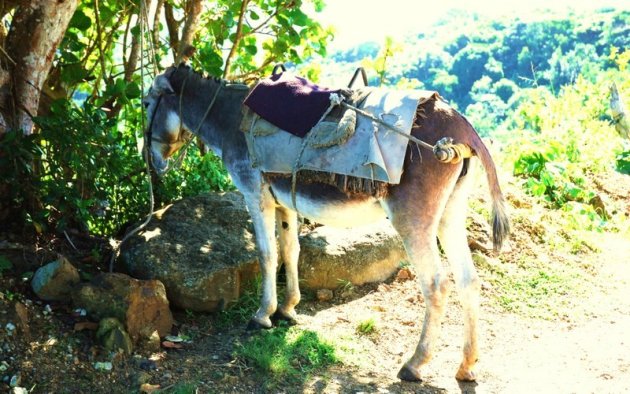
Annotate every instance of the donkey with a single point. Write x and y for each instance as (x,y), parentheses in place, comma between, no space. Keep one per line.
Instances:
(428,204)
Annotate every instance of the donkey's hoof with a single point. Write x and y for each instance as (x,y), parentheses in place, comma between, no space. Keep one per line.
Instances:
(409,374)
(280,316)
(465,375)
(257,325)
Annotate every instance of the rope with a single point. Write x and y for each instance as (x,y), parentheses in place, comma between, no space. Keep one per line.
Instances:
(145,150)
(444,150)
(389,126)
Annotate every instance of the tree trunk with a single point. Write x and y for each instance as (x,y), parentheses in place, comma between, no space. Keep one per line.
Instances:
(36,30)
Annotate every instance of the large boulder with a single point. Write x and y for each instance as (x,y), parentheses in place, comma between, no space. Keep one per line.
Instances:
(202,248)
(330,257)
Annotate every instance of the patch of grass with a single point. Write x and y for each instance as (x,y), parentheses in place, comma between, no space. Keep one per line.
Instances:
(530,290)
(367,327)
(345,285)
(286,354)
(242,310)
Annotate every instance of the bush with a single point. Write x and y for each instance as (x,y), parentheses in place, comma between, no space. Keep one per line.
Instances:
(83,170)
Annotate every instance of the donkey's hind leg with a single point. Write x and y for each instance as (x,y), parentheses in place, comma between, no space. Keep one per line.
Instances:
(414,209)
(453,239)
(287,223)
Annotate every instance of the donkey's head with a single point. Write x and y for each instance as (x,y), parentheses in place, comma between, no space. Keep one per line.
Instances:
(165,132)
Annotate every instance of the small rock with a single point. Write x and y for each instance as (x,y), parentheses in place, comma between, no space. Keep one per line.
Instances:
(149,388)
(103,366)
(141,305)
(404,274)
(4,366)
(150,343)
(80,312)
(141,378)
(113,336)
(600,207)
(324,295)
(147,365)
(55,281)
(16,380)
(19,390)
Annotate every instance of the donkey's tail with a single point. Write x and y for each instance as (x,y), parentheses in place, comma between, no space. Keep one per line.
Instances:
(500,221)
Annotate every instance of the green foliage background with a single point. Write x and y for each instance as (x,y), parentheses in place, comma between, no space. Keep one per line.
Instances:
(83,169)
(538,85)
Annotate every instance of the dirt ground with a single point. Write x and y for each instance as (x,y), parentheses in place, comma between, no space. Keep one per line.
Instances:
(585,351)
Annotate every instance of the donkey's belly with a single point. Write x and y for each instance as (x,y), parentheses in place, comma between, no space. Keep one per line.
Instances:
(325,204)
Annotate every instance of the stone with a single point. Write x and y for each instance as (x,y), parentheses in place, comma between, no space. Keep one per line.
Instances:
(202,248)
(324,295)
(113,337)
(151,343)
(367,254)
(56,280)
(140,305)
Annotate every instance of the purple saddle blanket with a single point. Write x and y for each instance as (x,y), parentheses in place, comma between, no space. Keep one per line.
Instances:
(291,103)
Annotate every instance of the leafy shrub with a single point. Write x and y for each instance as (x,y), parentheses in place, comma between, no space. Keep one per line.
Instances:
(90,173)
(83,170)
(548,173)
(623,162)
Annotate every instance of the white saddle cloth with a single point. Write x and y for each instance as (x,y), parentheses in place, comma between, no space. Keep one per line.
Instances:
(372,152)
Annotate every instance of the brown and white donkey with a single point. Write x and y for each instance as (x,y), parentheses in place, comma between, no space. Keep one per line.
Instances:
(428,204)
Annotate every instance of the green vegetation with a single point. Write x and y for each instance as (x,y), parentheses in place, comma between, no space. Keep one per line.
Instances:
(367,327)
(287,354)
(82,169)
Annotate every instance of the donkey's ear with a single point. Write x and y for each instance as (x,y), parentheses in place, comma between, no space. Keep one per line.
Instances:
(162,85)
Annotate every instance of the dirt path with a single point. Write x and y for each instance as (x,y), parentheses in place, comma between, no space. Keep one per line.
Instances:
(519,355)
(587,352)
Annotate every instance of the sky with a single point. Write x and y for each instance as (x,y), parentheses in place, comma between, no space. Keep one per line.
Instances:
(357,21)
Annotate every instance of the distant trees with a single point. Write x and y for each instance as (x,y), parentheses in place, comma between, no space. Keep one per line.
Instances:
(483,64)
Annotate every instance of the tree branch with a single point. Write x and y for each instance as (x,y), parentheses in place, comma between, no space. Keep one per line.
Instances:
(193,16)
(237,39)
(173,28)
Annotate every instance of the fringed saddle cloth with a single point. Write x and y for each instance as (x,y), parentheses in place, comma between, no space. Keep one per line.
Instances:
(326,136)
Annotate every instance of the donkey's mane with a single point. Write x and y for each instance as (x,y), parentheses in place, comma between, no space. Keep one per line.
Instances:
(184,74)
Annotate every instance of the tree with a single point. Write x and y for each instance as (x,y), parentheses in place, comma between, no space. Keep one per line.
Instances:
(77,69)
(28,50)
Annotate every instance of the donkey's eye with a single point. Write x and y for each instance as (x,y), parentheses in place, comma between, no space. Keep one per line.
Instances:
(146,104)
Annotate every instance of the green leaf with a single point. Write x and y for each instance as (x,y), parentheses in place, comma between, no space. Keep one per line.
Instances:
(80,20)
(132,90)
(251,49)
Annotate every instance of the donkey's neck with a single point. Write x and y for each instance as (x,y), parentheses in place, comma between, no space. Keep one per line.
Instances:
(213,115)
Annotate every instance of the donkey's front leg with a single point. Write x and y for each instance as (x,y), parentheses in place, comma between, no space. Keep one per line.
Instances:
(263,216)
(287,223)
